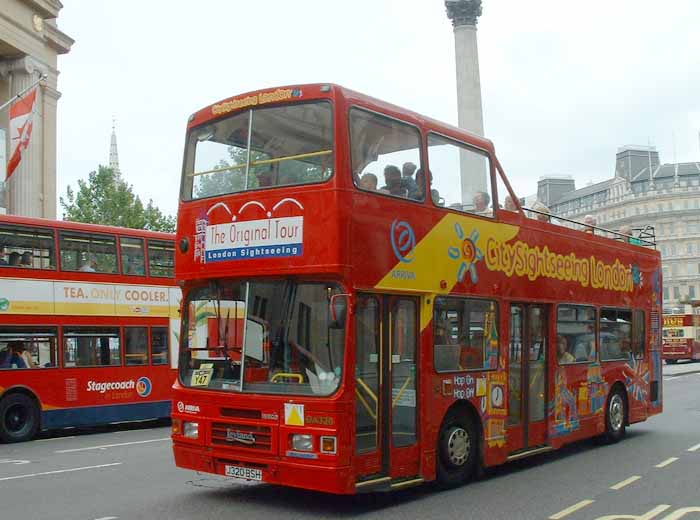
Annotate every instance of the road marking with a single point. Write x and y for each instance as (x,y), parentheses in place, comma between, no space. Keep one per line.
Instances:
(667,462)
(105,446)
(107,518)
(694,448)
(60,471)
(572,509)
(15,462)
(625,482)
(646,516)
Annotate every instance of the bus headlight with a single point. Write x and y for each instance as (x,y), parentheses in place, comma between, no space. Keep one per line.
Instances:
(302,442)
(190,430)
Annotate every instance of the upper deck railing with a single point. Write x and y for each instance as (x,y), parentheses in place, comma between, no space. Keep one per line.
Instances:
(645,236)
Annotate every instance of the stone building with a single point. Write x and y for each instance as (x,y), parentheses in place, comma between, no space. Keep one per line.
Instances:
(30,43)
(643,193)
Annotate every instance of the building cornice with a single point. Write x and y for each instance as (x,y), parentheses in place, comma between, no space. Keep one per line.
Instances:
(45,8)
(57,39)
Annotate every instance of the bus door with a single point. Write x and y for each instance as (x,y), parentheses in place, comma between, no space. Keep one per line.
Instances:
(527,376)
(386,383)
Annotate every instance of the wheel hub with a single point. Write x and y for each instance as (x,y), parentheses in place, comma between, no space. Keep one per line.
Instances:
(458,446)
(15,418)
(616,412)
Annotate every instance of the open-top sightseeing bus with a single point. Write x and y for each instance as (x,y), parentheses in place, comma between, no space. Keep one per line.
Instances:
(681,338)
(88,315)
(348,335)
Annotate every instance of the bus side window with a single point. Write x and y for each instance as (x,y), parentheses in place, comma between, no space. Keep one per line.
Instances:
(159,345)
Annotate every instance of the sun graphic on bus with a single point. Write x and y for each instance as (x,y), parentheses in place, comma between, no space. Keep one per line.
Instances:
(144,386)
(468,253)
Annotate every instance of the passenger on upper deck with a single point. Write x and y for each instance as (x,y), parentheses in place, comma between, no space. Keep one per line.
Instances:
(392,177)
(369,182)
(27,259)
(542,209)
(589,222)
(407,180)
(14,259)
(2,255)
(509,204)
(481,203)
(89,265)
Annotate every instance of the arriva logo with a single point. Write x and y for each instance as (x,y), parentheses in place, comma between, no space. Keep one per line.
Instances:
(403,241)
(144,386)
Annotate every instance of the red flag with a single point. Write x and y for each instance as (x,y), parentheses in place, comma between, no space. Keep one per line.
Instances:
(21,124)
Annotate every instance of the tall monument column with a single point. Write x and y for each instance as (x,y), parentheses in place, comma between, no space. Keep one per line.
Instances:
(464,15)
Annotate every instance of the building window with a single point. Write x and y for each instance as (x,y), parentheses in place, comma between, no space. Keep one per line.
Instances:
(672,249)
(689,269)
(664,251)
(666,294)
(676,293)
(689,249)
(691,291)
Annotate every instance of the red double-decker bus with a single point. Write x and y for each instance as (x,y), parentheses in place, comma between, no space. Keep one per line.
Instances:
(681,338)
(367,307)
(87,317)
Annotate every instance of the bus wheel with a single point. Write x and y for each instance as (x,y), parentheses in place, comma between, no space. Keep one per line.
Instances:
(19,418)
(457,449)
(615,414)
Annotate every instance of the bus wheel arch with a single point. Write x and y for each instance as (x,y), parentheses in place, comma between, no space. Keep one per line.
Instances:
(459,445)
(20,415)
(617,403)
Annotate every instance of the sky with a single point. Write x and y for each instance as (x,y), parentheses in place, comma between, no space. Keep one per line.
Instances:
(564,84)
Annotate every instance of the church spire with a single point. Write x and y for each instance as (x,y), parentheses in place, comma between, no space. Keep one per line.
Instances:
(113,154)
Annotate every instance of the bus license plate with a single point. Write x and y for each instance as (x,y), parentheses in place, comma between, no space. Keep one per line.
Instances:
(244,473)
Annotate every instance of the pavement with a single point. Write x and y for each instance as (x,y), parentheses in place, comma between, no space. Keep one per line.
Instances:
(128,473)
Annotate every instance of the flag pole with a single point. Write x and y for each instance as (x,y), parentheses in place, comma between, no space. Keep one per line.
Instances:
(42,77)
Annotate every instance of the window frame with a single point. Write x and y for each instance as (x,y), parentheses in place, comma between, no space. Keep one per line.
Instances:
(493,194)
(29,331)
(147,361)
(421,152)
(160,242)
(483,367)
(600,331)
(67,331)
(186,157)
(50,235)
(151,355)
(144,252)
(90,235)
(596,339)
(635,339)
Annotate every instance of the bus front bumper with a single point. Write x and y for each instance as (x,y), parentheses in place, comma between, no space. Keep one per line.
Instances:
(303,474)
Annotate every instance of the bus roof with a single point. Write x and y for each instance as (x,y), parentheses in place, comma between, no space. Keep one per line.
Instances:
(312,91)
(88,228)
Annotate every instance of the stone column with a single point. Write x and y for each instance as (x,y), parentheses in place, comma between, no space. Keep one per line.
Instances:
(464,15)
(25,189)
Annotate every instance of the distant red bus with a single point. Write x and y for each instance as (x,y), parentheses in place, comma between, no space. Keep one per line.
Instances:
(359,316)
(88,315)
(681,338)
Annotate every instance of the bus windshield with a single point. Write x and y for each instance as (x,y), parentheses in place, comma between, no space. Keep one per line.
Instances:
(291,144)
(281,335)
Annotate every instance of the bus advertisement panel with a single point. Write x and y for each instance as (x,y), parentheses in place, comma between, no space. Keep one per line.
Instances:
(88,325)
(358,316)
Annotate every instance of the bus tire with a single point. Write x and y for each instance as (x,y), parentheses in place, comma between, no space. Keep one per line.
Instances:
(671,361)
(19,418)
(458,449)
(615,417)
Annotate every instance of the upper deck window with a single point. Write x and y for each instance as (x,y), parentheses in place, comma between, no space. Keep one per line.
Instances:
(462,176)
(22,246)
(289,145)
(161,258)
(386,155)
(90,253)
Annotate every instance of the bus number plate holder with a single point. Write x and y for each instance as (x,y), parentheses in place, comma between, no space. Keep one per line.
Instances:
(243,473)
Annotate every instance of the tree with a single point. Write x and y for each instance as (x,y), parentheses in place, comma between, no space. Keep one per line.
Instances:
(108,199)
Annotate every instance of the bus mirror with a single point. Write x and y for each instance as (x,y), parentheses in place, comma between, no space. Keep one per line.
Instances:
(338,307)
